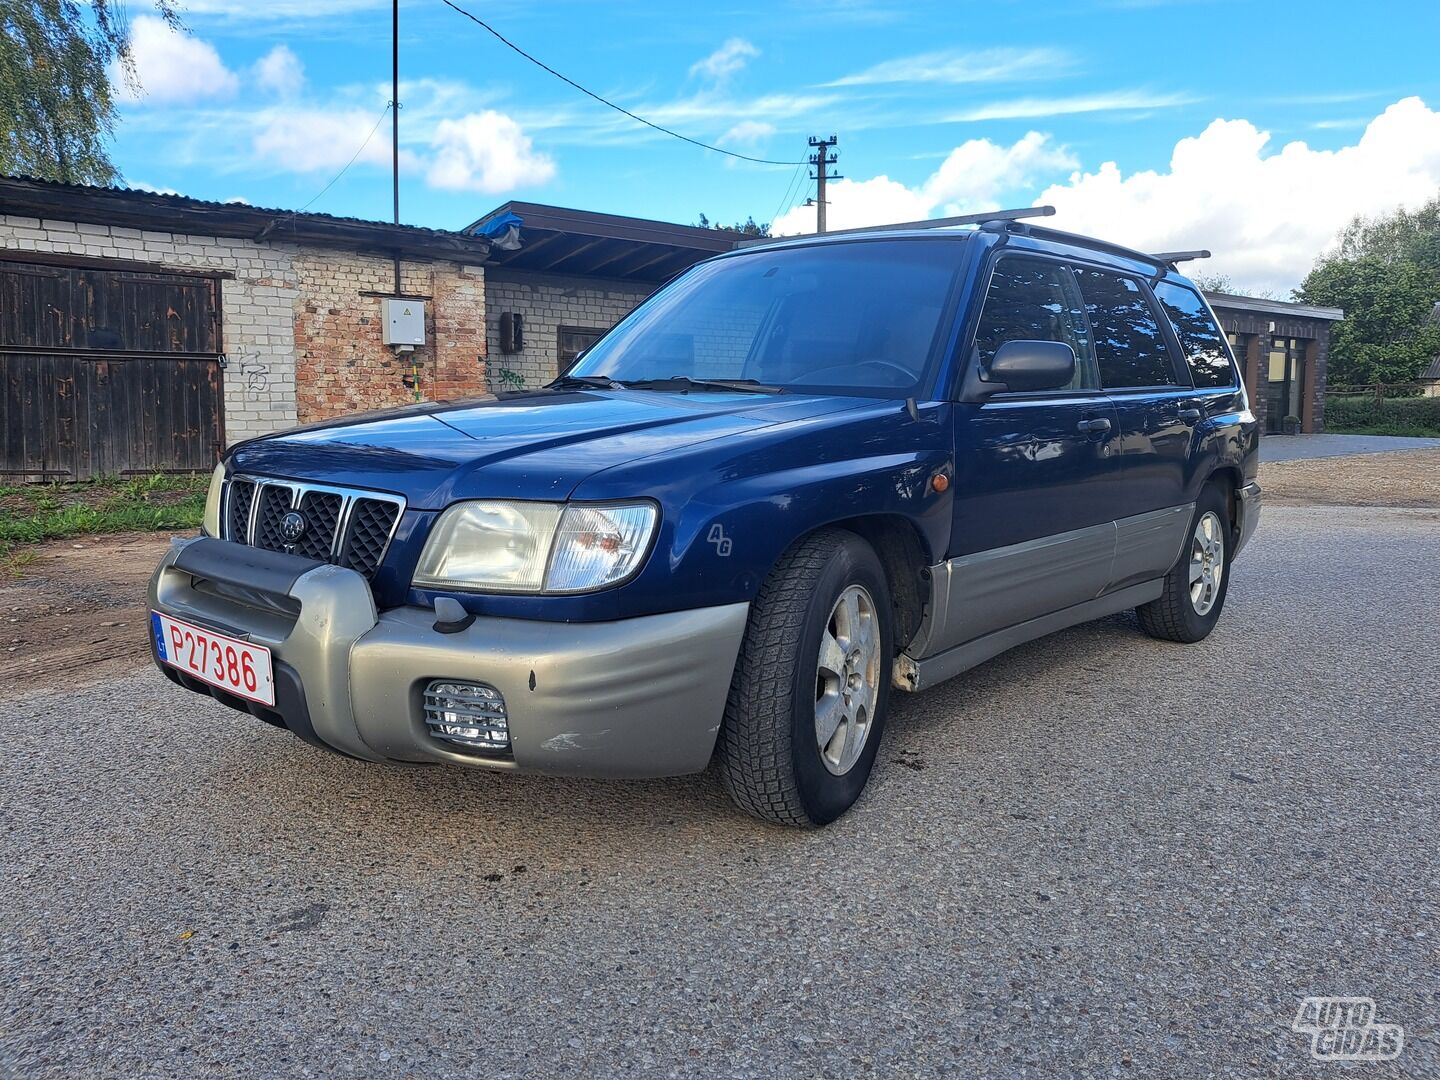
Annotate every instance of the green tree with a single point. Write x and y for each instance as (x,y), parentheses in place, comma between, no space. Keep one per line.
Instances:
(1387,335)
(1403,236)
(746,228)
(57,107)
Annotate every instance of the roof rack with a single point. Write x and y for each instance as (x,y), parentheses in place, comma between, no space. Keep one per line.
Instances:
(928,223)
(1170,258)
(1077,240)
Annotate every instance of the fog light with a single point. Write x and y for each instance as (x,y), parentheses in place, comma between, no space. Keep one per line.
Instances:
(468,714)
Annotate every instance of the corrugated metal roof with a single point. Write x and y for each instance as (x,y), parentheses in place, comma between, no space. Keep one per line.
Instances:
(28,197)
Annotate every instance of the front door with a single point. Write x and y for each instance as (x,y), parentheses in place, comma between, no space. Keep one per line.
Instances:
(1285,370)
(1036,476)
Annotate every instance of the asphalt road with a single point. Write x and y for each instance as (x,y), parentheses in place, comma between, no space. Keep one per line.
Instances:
(1097,855)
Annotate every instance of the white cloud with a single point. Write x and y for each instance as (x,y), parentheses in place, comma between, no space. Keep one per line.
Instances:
(279,9)
(726,60)
(172,66)
(280,72)
(748,132)
(1030,108)
(972,177)
(308,140)
(141,185)
(1265,216)
(959,66)
(487,152)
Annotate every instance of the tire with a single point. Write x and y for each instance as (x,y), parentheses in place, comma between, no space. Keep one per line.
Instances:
(1184,612)
(769,754)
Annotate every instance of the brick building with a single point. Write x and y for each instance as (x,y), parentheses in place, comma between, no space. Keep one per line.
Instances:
(571,275)
(141,331)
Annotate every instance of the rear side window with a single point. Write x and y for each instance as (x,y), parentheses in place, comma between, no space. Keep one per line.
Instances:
(1036,300)
(1129,345)
(1201,339)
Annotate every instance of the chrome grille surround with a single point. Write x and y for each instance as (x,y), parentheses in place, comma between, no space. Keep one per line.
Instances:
(331,510)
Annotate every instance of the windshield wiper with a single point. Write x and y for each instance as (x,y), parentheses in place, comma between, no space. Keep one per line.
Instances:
(685,382)
(598,382)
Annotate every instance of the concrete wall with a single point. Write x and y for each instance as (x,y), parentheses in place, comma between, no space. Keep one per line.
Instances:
(548,302)
(302,342)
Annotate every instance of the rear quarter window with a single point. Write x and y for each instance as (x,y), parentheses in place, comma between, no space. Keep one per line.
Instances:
(1203,343)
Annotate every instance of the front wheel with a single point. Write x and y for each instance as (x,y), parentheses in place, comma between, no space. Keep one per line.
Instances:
(1195,587)
(807,705)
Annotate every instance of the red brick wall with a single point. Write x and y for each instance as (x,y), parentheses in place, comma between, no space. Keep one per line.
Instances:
(342,367)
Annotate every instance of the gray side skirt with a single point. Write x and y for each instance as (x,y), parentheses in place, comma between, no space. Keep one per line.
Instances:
(911,674)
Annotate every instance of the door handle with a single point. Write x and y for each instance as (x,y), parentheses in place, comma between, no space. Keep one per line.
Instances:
(1097,424)
(1191,415)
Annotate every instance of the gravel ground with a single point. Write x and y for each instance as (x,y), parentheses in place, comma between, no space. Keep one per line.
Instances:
(1407,478)
(1097,855)
(1304,447)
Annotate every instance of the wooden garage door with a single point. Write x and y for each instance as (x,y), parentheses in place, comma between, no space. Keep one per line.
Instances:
(107,372)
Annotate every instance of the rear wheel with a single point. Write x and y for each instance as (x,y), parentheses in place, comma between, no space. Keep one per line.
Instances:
(1195,587)
(807,705)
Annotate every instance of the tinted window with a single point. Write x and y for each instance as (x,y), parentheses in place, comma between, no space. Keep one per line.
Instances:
(857,317)
(1129,345)
(1201,339)
(1035,300)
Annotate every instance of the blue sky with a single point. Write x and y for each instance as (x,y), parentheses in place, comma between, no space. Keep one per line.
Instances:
(940,107)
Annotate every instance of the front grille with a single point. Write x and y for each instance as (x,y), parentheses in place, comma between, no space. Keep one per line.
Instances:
(343,526)
(242,501)
(322,509)
(371,523)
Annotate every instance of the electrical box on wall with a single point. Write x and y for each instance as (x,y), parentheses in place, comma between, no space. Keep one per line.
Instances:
(404,321)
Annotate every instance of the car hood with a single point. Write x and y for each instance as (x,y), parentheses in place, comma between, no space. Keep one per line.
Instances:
(537,445)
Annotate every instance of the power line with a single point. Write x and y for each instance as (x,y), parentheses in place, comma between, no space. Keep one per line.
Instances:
(352,161)
(604,101)
(791,190)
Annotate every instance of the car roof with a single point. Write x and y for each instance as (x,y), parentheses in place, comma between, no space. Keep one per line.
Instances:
(1016,236)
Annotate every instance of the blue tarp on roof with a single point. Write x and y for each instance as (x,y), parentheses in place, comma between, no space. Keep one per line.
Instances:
(498,226)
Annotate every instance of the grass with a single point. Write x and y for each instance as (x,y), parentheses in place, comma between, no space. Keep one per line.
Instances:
(33,513)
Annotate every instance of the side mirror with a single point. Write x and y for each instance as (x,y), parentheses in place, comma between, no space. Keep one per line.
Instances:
(1032,365)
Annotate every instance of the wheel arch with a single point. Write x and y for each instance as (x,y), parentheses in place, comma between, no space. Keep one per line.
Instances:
(1229,479)
(905,557)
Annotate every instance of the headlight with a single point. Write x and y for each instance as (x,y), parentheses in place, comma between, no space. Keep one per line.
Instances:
(210,523)
(509,546)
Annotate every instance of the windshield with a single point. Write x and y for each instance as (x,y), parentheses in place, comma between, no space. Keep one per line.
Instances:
(860,317)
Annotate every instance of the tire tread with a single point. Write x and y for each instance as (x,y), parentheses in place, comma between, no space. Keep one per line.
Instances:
(754,749)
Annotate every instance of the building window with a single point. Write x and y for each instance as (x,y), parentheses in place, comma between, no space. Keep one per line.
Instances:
(570,342)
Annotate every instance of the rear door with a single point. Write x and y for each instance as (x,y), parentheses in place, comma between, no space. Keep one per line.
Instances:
(1155,402)
(1036,476)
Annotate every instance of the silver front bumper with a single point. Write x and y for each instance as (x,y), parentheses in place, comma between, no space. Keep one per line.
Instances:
(1247,505)
(634,697)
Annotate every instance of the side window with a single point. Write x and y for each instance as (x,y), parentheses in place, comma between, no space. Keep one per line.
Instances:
(1201,339)
(1129,345)
(1036,300)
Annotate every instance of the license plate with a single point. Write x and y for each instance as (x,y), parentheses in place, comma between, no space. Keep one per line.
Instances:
(218,659)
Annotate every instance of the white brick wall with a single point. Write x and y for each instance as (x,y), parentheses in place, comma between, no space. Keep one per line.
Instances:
(258,303)
(547,302)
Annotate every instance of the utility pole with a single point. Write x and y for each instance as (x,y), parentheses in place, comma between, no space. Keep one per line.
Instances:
(395,104)
(395,121)
(822,159)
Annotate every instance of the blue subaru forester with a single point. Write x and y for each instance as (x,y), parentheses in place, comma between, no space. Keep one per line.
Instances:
(799,477)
